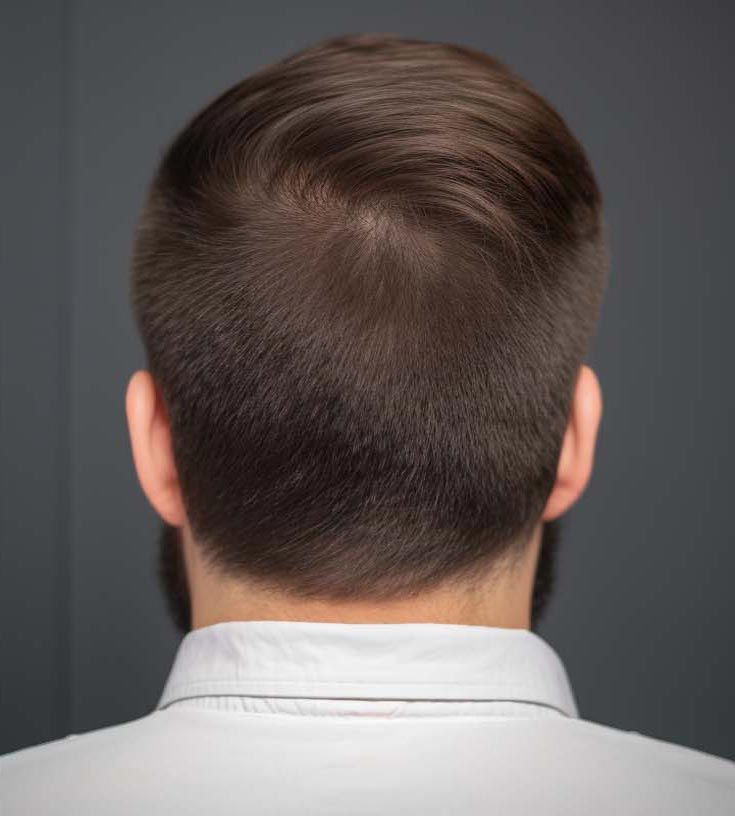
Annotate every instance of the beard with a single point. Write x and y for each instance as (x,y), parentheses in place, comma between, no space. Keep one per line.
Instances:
(173,581)
(172,577)
(545,578)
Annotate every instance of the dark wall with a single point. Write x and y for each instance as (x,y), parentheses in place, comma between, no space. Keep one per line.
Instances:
(92,92)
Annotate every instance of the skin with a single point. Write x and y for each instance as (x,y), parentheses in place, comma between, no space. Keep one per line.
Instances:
(501,597)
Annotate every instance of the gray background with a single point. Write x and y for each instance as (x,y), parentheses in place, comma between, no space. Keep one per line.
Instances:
(92,92)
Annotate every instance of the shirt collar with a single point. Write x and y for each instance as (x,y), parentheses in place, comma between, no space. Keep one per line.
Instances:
(387,661)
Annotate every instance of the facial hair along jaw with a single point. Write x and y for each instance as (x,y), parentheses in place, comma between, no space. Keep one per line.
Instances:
(172,577)
(545,579)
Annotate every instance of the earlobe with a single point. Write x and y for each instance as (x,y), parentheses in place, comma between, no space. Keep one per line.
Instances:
(150,440)
(578,448)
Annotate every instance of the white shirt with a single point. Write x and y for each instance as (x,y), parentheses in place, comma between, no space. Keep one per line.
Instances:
(289,717)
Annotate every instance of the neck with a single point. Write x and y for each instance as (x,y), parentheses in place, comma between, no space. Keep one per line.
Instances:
(500,597)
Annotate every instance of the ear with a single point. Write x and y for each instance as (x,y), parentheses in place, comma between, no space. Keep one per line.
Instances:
(150,439)
(578,448)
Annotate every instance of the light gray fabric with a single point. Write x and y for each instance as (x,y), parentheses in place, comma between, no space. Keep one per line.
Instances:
(287,717)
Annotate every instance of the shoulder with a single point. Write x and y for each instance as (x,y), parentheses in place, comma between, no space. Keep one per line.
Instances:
(579,766)
(49,777)
(646,765)
(74,745)
(637,746)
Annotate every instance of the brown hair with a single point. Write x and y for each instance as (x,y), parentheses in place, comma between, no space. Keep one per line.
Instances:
(365,278)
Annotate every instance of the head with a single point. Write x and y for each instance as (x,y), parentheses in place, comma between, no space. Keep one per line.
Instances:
(366,278)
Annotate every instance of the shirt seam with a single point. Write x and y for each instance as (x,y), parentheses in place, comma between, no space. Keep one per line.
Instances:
(363,718)
(366,683)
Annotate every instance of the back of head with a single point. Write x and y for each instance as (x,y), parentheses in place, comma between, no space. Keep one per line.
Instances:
(365,278)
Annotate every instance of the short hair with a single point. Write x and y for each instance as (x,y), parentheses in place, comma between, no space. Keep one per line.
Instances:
(365,278)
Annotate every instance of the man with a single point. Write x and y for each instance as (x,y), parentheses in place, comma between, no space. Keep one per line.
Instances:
(366,279)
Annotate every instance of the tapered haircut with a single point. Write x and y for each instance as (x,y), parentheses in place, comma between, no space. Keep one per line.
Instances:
(365,278)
